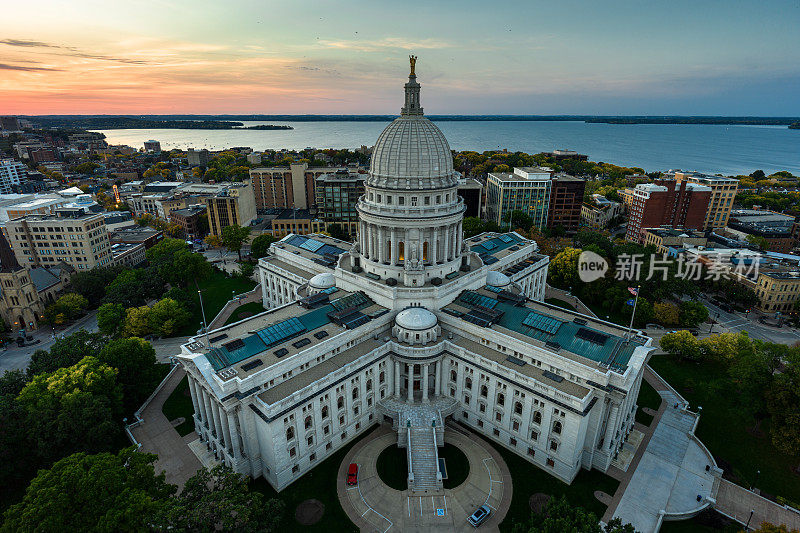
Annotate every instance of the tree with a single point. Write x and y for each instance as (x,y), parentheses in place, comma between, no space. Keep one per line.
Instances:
(137,322)
(767,527)
(71,305)
(233,237)
(560,516)
(666,313)
(681,344)
(563,271)
(167,317)
(66,352)
(86,168)
(213,240)
(518,219)
(91,284)
(188,266)
(137,369)
(135,287)
(165,250)
(102,493)
(692,314)
(336,231)
(472,226)
(246,270)
(219,499)
(758,240)
(110,318)
(77,408)
(260,245)
(783,403)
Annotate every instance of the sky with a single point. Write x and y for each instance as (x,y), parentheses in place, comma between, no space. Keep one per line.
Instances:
(610,57)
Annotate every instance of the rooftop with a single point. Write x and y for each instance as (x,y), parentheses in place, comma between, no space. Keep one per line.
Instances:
(491,247)
(557,329)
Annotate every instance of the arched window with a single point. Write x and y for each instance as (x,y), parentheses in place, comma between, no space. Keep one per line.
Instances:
(553,445)
(557,428)
(537,417)
(369,385)
(518,408)
(340,402)
(325,412)
(381,377)
(484,391)
(289,433)
(501,399)
(308,422)
(401,251)
(453,375)
(468,383)
(355,394)
(425,251)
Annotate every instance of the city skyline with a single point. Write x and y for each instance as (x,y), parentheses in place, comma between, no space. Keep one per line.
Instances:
(620,58)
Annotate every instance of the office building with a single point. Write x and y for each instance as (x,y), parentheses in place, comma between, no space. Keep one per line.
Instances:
(471,191)
(566,199)
(667,204)
(599,212)
(233,205)
(136,234)
(337,196)
(774,229)
(723,194)
(286,187)
(526,189)
(193,221)
(197,158)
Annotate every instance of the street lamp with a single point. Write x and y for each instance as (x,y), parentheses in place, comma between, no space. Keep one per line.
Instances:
(747,525)
(203,311)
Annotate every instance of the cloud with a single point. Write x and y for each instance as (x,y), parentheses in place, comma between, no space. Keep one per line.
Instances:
(385,44)
(5,66)
(69,51)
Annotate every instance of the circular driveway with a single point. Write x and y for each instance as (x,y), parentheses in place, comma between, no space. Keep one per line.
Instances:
(374,506)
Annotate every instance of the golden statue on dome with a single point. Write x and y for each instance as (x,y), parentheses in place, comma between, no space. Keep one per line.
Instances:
(413,61)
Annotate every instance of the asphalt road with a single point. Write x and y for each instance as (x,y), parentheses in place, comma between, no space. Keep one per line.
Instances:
(14,357)
(748,322)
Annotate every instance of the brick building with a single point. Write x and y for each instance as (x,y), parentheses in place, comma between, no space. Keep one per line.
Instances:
(566,198)
(666,204)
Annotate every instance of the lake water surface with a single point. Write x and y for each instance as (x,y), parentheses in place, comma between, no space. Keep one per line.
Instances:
(706,148)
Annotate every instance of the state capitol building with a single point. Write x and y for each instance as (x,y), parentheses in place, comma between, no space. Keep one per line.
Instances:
(414,326)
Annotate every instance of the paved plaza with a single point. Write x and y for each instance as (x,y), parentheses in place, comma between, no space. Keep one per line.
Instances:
(373,506)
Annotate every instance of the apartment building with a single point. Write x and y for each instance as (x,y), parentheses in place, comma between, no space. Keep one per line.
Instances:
(11,173)
(723,194)
(666,204)
(527,189)
(72,235)
(233,205)
(286,187)
(599,213)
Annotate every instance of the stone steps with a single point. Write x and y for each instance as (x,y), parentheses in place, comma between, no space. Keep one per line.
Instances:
(423,460)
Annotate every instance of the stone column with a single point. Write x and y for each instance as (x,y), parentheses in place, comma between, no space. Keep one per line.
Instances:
(611,425)
(245,442)
(226,430)
(425,382)
(434,251)
(208,416)
(410,368)
(380,242)
(447,244)
(217,421)
(234,435)
(393,249)
(438,378)
(397,379)
(459,237)
(193,392)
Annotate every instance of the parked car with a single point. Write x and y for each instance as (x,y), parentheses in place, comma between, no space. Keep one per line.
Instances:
(480,516)
(352,474)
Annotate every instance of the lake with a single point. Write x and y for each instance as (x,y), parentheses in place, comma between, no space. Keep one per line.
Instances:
(712,149)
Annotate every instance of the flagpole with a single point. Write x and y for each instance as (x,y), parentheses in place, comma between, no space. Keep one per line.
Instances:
(636,301)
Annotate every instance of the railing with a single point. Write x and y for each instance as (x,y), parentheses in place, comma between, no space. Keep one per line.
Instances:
(138,414)
(410,466)
(436,456)
(237,300)
(371,207)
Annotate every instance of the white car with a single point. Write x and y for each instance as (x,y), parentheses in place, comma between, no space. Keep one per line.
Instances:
(480,516)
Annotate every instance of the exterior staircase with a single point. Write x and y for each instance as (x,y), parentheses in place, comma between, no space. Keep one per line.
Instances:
(423,460)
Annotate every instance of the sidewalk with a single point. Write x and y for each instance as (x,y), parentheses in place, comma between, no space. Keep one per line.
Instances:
(157,435)
(736,502)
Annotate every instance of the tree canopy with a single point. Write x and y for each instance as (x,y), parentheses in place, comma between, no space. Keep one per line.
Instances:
(260,245)
(234,237)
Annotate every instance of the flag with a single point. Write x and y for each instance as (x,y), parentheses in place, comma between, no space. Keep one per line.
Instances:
(631,302)
(634,290)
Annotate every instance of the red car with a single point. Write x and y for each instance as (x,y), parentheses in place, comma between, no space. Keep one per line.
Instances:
(352,474)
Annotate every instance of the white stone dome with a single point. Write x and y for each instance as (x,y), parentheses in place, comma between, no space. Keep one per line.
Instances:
(411,154)
(497,279)
(322,281)
(416,318)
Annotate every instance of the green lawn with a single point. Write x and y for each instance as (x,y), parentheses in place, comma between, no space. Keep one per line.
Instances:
(529,479)
(726,428)
(614,317)
(253,308)
(319,484)
(648,397)
(560,303)
(392,467)
(708,521)
(179,404)
(217,290)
